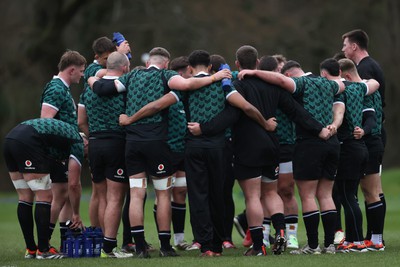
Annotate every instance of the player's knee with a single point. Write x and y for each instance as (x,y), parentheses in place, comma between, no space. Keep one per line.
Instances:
(371,196)
(286,193)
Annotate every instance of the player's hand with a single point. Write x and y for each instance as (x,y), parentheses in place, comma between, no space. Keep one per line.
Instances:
(243,73)
(358,132)
(271,124)
(76,222)
(124,47)
(325,134)
(123,120)
(332,128)
(222,74)
(194,128)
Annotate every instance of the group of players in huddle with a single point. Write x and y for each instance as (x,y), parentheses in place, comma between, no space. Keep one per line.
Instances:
(192,127)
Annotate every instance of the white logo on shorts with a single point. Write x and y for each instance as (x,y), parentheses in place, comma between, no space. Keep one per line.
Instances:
(161,167)
(28,165)
(277,171)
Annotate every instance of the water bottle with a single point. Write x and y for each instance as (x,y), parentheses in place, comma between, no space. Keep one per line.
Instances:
(97,242)
(226,83)
(77,249)
(69,244)
(74,241)
(88,243)
(118,38)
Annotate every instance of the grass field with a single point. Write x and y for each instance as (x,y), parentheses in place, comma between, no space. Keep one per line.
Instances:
(12,244)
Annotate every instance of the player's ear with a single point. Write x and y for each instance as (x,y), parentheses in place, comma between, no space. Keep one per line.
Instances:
(237,64)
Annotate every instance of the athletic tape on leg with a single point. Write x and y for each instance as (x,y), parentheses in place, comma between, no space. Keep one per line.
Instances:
(138,182)
(180,182)
(286,167)
(163,183)
(267,180)
(43,183)
(20,184)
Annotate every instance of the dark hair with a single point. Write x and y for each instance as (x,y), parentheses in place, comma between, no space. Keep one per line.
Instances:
(103,45)
(247,57)
(339,55)
(280,58)
(199,57)
(216,61)
(268,63)
(359,37)
(290,64)
(331,66)
(71,58)
(179,63)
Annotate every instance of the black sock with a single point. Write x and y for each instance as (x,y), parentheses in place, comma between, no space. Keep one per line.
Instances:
(155,215)
(267,220)
(126,230)
(25,218)
(165,238)
(292,218)
(42,219)
(328,218)
(368,217)
(382,197)
(257,236)
(63,231)
(137,233)
(376,213)
(178,217)
(278,221)
(243,221)
(109,244)
(311,223)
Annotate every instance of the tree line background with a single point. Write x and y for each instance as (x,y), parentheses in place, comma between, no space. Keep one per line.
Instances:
(35,34)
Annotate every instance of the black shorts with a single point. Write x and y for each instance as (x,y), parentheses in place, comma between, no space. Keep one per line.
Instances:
(30,156)
(58,172)
(25,158)
(374,143)
(314,159)
(353,159)
(375,154)
(107,159)
(242,172)
(286,153)
(178,161)
(152,157)
(374,163)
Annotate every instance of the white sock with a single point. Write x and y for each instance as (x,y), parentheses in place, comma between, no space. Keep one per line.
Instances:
(376,239)
(291,229)
(178,238)
(266,230)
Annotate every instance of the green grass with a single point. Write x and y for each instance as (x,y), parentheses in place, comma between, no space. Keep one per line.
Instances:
(12,244)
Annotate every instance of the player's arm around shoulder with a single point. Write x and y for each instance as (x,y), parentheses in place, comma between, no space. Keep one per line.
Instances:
(179,83)
(150,109)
